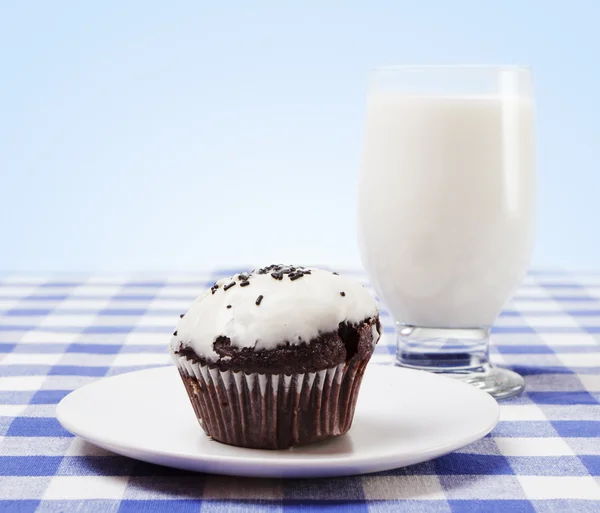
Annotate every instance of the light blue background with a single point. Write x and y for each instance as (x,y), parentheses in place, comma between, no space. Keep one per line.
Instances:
(176,135)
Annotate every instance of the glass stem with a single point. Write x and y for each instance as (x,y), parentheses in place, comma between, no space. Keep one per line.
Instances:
(448,350)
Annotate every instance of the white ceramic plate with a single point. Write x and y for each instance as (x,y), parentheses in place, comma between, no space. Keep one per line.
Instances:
(402,417)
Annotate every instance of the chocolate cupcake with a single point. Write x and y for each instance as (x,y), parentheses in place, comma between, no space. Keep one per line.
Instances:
(274,358)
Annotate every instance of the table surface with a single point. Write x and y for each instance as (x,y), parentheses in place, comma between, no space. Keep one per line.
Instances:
(58,333)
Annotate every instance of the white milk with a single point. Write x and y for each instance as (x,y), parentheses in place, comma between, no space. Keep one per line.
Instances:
(446,209)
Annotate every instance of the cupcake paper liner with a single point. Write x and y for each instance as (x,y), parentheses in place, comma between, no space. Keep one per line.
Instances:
(272,411)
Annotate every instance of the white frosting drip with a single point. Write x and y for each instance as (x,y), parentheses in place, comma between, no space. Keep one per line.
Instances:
(290,311)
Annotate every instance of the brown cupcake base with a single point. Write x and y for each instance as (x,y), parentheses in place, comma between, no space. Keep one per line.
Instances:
(272,411)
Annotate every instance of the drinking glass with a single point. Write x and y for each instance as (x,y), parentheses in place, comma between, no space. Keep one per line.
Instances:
(446,210)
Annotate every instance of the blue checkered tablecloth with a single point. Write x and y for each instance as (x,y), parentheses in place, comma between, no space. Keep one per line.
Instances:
(58,333)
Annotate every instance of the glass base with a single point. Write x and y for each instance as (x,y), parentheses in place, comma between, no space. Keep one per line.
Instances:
(458,353)
(498,382)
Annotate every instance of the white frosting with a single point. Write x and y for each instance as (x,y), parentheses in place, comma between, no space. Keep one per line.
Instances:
(290,311)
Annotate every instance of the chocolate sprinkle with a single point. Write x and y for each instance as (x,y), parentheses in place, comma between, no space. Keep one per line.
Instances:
(229,285)
(337,274)
(228,306)
(181,316)
(259,299)
(342,293)
(175,333)
(279,269)
(244,283)
(294,277)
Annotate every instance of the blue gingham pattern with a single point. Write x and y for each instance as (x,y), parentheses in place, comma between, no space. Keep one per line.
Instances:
(59,333)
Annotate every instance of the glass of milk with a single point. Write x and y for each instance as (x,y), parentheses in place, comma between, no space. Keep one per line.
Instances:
(446,210)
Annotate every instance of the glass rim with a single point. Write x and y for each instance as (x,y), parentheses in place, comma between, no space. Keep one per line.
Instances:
(441,67)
